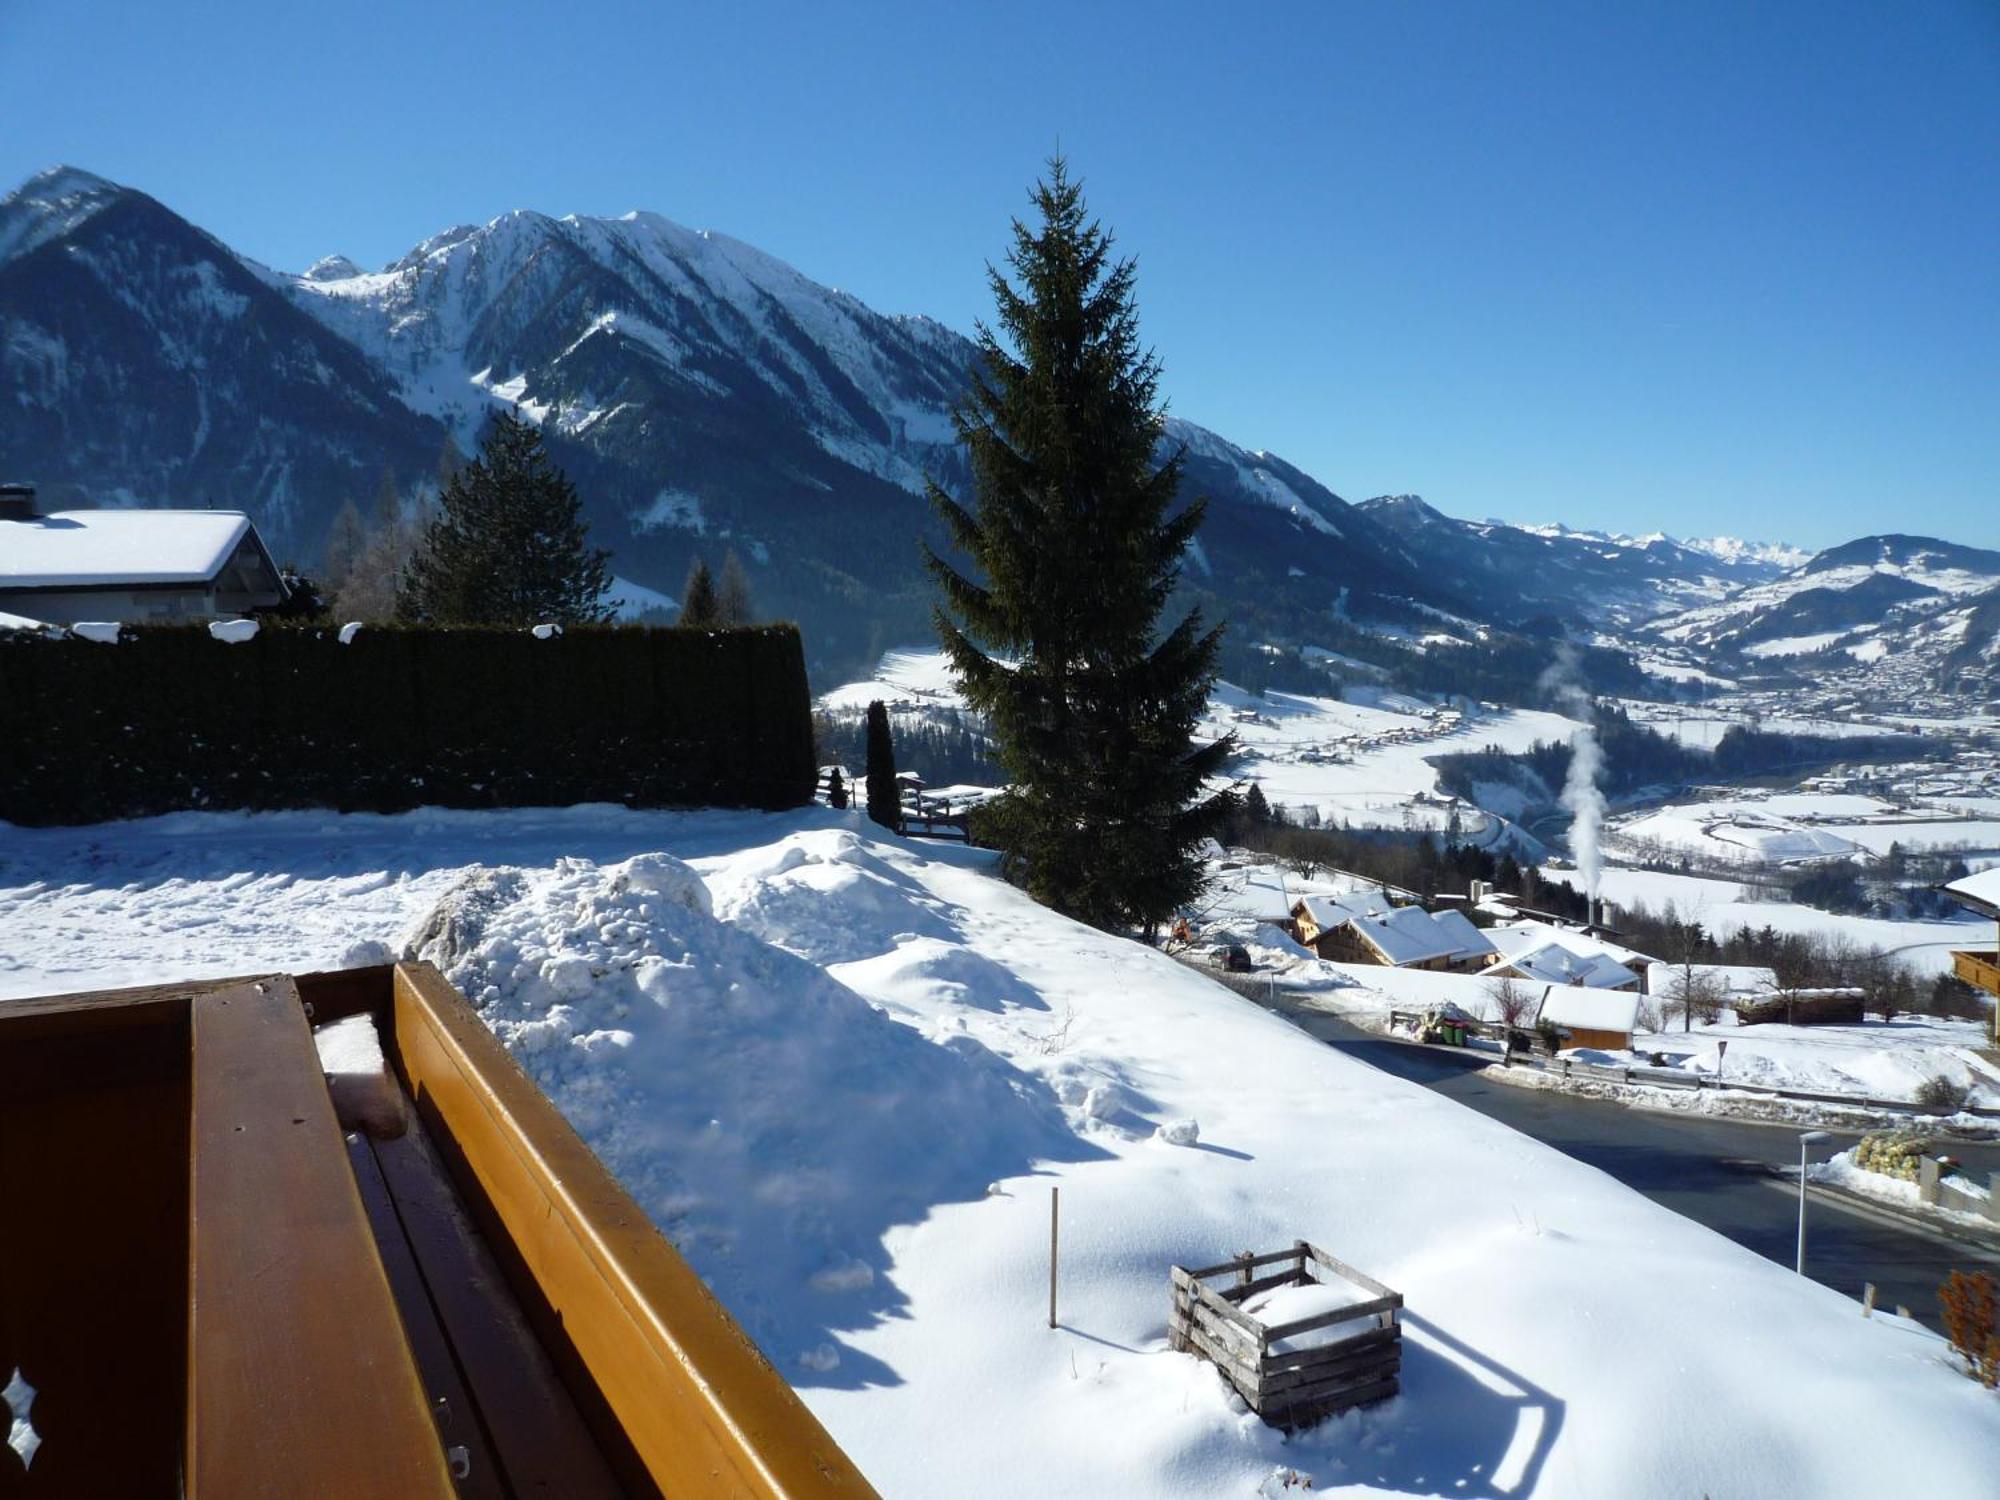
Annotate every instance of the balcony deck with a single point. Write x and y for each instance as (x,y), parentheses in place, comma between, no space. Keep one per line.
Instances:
(217,1289)
(1979,968)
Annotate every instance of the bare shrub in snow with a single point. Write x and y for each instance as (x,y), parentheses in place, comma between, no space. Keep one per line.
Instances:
(1941,1094)
(1510,1000)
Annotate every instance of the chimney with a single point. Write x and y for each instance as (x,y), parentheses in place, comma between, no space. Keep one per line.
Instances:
(17,502)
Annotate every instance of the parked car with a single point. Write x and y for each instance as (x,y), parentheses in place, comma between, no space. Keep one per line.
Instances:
(1234,958)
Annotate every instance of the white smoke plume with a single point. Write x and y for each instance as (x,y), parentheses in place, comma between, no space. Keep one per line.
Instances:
(1581,794)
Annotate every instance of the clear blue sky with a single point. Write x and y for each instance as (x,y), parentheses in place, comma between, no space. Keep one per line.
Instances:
(1692,266)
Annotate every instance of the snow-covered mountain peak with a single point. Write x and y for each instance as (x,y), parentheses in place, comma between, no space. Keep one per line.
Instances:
(1410,508)
(331,268)
(49,205)
(1731,549)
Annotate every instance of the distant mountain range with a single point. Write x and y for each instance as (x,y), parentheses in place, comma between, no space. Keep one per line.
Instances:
(705,396)
(1612,582)
(1897,607)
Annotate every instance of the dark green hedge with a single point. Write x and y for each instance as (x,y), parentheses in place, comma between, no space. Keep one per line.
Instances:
(170,719)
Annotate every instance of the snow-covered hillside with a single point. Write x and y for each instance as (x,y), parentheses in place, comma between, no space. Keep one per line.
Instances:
(843,1071)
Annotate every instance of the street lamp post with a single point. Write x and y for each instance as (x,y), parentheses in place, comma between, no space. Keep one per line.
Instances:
(1807,1140)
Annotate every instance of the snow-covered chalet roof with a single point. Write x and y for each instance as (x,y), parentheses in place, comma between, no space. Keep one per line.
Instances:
(1589,1010)
(1408,935)
(1457,925)
(1979,891)
(1510,938)
(79,548)
(1553,963)
(1332,912)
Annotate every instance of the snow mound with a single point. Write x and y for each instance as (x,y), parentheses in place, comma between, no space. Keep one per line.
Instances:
(826,897)
(760,1111)
(233,632)
(1293,1304)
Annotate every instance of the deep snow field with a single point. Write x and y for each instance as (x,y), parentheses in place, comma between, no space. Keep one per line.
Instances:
(843,1071)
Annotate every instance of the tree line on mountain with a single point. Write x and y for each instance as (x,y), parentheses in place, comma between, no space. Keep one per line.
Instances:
(503,543)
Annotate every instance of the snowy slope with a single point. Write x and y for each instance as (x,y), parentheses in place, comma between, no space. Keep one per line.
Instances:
(722,1043)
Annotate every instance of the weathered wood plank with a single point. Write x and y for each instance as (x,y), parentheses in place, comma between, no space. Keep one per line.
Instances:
(300,1381)
(1335,1382)
(1229,1311)
(1284,1368)
(1380,1357)
(1305,1412)
(1248,1289)
(1248,1348)
(1231,1266)
(1241,1373)
(1336,1315)
(1342,1268)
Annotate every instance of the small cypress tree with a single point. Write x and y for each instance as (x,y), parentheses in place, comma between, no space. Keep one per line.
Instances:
(507,546)
(885,804)
(699,608)
(733,604)
(836,791)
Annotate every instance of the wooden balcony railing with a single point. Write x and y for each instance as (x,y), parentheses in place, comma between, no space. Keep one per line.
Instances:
(214,1292)
(1978,968)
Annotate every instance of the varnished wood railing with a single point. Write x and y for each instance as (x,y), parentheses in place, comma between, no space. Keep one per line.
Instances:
(702,1409)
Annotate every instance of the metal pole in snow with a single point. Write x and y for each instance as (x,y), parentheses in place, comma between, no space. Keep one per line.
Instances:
(1055,1200)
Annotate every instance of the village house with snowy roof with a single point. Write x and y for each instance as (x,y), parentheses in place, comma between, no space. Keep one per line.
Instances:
(1367,929)
(1600,1018)
(1543,953)
(134,566)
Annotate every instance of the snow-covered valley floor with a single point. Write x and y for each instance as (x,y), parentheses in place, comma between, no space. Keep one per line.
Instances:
(843,1071)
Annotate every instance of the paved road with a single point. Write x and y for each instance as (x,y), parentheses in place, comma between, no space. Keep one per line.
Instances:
(1715,1171)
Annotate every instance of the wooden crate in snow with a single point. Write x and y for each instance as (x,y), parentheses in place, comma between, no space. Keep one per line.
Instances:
(1299,1334)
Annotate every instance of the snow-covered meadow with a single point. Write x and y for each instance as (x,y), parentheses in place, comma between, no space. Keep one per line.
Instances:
(844,1070)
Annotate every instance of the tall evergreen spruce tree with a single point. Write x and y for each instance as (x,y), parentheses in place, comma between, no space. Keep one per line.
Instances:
(1075,531)
(507,545)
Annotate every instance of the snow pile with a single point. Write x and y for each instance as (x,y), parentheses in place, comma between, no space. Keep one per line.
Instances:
(758,1110)
(104,632)
(1292,1304)
(233,632)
